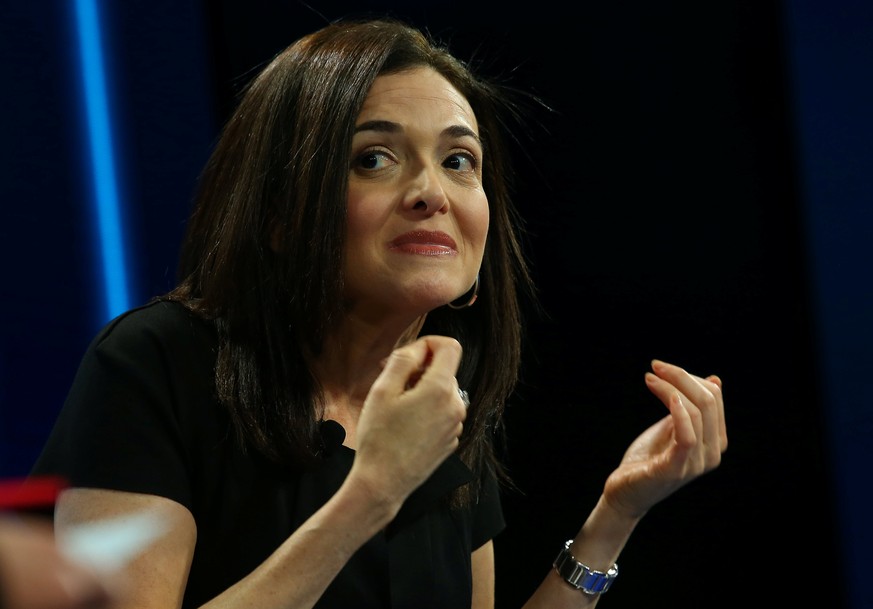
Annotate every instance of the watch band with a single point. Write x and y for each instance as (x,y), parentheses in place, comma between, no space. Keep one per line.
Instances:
(581,576)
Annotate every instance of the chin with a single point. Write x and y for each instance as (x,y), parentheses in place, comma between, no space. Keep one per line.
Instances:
(416,295)
(429,298)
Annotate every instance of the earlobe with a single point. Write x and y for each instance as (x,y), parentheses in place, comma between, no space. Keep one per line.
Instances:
(468,298)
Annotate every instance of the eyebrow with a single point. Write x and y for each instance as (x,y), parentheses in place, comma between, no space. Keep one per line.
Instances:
(455,131)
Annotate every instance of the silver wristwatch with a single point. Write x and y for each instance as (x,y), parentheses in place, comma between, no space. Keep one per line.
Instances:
(580,576)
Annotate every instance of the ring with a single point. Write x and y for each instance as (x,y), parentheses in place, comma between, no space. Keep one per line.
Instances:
(465,397)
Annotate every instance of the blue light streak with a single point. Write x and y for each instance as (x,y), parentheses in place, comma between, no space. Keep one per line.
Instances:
(106,199)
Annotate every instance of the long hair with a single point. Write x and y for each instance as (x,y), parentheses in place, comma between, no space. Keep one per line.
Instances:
(282,164)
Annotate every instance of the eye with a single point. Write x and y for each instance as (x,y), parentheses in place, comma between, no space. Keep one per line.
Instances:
(461,161)
(373,160)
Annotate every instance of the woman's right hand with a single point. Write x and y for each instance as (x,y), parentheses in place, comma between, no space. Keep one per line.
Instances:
(412,418)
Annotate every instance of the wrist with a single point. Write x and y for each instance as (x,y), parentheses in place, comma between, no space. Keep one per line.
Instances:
(580,576)
(608,524)
(588,562)
(373,508)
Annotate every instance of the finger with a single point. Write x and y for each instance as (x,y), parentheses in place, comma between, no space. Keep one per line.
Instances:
(694,387)
(445,355)
(719,395)
(713,383)
(443,366)
(683,422)
(440,376)
(700,394)
(667,393)
(403,367)
(465,398)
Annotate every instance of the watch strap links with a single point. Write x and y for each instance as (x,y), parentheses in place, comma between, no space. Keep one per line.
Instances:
(581,576)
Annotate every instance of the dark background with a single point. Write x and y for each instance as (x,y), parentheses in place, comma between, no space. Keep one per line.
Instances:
(699,194)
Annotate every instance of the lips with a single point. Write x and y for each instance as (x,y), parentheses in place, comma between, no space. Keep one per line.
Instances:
(425,242)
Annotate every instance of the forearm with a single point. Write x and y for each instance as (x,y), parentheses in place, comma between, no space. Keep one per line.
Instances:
(298,572)
(597,545)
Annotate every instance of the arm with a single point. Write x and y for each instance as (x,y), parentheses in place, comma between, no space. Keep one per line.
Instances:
(295,575)
(685,444)
(34,574)
(396,453)
(483,576)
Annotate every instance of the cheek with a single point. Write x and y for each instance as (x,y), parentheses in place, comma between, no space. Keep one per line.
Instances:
(362,215)
(479,221)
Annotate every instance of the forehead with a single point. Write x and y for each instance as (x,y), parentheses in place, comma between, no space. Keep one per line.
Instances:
(417,94)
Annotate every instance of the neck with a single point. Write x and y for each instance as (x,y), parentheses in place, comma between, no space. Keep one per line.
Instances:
(352,358)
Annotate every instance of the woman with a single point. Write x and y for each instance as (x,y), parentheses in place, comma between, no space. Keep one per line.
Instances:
(313,408)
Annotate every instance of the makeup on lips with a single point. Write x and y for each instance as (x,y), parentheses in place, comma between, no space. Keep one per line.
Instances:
(425,243)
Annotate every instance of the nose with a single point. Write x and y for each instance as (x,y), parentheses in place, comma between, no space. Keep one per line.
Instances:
(425,193)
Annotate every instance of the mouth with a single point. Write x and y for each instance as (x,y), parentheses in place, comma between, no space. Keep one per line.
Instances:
(425,242)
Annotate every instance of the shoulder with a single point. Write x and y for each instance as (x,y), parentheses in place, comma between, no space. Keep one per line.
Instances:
(160,339)
(166,324)
(158,316)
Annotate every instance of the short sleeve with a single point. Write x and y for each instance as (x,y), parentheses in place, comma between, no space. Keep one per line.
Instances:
(488,517)
(128,417)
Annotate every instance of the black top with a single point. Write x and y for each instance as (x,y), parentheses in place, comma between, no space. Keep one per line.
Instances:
(142,416)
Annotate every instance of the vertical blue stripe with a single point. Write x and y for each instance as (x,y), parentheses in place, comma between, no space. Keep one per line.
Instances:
(106,200)
(831,56)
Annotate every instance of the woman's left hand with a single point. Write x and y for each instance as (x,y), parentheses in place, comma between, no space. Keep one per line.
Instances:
(677,449)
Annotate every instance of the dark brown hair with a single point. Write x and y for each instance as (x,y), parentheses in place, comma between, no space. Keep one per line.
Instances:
(282,163)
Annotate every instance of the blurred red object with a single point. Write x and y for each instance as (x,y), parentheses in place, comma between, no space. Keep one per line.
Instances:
(34,492)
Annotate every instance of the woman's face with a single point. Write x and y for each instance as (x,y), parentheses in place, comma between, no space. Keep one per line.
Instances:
(417,212)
